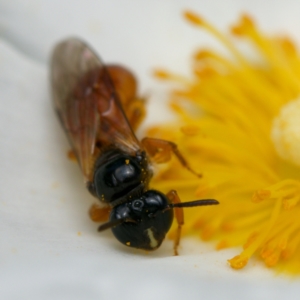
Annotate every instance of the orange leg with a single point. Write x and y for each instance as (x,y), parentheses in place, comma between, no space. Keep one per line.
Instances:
(174,198)
(72,156)
(160,151)
(99,213)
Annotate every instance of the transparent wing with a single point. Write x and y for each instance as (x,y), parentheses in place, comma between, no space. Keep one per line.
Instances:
(87,104)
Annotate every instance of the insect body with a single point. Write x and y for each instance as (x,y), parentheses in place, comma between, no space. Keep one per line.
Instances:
(91,100)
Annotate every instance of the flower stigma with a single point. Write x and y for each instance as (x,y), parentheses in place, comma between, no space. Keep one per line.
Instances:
(238,124)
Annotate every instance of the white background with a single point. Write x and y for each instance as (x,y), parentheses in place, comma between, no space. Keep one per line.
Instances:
(49,248)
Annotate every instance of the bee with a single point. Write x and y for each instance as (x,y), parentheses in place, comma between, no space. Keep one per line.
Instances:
(91,100)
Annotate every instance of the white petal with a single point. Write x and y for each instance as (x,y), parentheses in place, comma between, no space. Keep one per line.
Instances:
(49,248)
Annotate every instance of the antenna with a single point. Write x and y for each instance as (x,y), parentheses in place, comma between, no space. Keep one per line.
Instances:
(194,203)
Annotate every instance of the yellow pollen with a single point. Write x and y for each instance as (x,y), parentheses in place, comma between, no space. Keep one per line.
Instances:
(193,18)
(190,130)
(238,262)
(222,245)
(261,195)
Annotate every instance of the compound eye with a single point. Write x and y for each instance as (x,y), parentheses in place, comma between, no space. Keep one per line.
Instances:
(137,205)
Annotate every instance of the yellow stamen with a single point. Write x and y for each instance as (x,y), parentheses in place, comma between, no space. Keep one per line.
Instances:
(226,114)
(163,75)
(197,20)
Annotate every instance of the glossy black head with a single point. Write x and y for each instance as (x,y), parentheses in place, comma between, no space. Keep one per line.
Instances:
(117,174)
(147,219)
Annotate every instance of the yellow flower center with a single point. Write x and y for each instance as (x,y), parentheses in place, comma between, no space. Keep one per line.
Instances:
(286,132)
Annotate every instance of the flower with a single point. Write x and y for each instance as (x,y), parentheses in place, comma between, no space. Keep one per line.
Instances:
(238,123)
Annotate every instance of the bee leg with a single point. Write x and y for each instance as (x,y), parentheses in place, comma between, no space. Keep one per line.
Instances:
(71,155)
(174,198)
(99,213)
(160,151)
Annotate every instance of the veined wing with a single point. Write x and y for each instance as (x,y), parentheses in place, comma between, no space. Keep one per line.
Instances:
(87,104)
